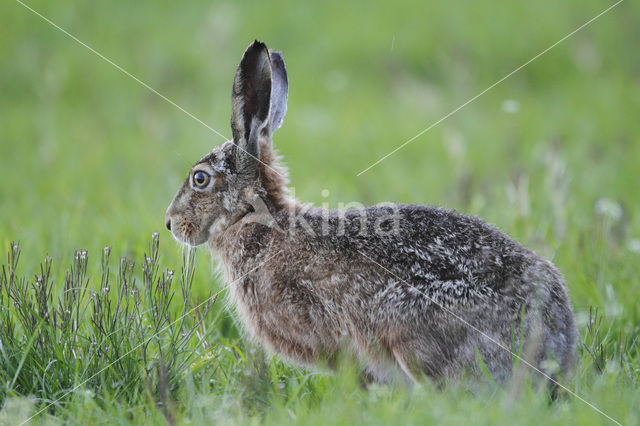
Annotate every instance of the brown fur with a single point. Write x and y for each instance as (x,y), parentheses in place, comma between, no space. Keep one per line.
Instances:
(309,283)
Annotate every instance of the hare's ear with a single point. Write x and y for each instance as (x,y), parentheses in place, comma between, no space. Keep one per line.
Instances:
(250,103)
(279,91)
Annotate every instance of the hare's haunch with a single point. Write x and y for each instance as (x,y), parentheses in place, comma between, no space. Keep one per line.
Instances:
(408,290)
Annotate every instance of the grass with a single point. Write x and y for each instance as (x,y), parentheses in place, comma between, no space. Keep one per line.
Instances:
(89,158)
(124,339)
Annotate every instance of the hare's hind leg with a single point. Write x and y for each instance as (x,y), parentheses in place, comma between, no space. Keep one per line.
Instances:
(404,366)
(387,371)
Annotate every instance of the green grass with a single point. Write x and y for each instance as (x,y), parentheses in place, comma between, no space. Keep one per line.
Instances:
(89,158)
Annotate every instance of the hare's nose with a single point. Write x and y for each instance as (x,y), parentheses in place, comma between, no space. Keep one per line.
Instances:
(168,224)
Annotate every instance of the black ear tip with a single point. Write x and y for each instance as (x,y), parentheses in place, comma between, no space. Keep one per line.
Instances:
(257,45)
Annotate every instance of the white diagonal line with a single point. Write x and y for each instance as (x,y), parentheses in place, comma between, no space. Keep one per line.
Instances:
(124,71)
(468,324)
(381,159)
(147,340)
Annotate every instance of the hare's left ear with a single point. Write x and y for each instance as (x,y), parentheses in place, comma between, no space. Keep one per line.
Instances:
(250,105)
(279,91)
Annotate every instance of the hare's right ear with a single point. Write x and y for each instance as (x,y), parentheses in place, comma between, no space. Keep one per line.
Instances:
(250,105)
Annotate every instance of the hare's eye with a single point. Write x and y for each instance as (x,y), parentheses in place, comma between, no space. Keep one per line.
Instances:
(201,179)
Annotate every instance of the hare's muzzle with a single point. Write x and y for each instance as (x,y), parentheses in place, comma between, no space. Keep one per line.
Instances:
(167,218)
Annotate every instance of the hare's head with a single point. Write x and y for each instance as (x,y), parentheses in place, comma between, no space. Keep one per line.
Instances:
(225,184)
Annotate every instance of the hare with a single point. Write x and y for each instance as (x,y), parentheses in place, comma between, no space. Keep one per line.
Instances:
(408,291)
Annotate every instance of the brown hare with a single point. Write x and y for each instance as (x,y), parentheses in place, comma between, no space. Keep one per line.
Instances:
(407,290)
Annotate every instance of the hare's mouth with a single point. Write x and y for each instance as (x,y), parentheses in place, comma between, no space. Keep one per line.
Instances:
(186,234)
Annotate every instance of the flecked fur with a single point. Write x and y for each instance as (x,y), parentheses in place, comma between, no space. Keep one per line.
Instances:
(310,283)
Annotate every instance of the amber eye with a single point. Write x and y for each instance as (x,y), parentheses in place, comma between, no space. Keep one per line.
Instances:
(201,179)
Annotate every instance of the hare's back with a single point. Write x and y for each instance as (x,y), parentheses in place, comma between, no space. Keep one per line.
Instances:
(435,250)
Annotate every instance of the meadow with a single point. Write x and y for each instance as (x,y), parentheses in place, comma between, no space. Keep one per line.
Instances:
(103,321)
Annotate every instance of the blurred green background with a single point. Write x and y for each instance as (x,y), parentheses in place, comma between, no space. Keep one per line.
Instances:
(89,157)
